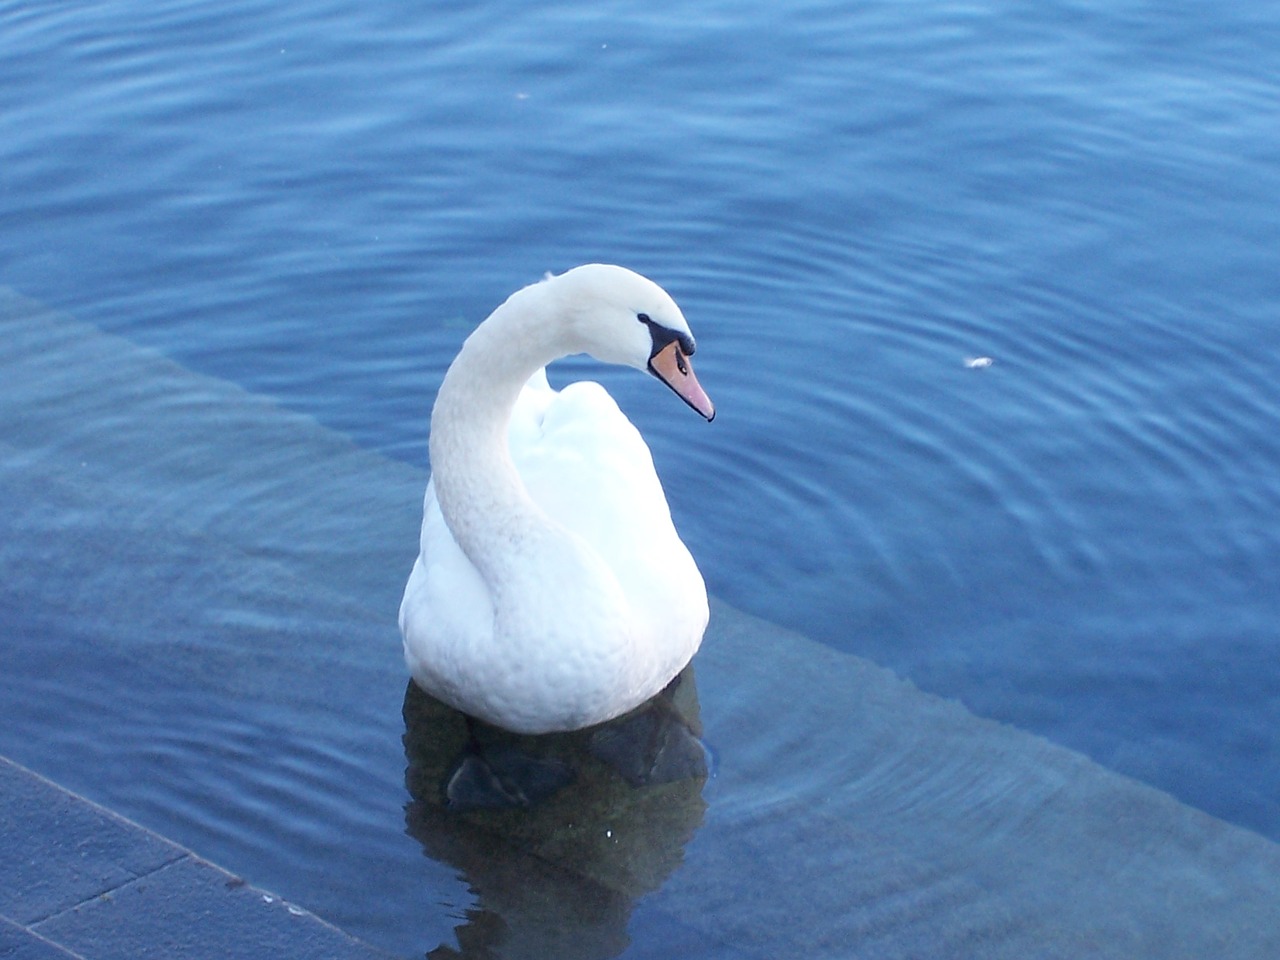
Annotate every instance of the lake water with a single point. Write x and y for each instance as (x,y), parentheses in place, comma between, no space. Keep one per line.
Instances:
(315,202)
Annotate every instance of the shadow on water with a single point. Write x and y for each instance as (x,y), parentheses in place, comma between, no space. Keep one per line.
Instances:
(559,876)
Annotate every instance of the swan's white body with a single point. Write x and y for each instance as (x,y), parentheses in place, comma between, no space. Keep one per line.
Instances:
(552,591)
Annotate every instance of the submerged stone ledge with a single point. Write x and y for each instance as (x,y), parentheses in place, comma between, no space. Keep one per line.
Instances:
(77,880)
(850,814)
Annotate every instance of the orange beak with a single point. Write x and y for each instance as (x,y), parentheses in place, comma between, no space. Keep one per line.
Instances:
(671,366)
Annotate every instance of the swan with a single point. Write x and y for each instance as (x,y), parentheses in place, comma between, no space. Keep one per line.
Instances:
(551,591)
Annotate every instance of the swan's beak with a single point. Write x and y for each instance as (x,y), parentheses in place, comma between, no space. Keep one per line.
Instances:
(671,366)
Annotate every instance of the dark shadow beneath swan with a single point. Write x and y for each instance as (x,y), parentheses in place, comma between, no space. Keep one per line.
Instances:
(556,857)
(651,745)
(502,775)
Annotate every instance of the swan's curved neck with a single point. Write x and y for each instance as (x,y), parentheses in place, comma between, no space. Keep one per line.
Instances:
(482,497)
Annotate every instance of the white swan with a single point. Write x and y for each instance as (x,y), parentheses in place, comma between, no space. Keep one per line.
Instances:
(552,591)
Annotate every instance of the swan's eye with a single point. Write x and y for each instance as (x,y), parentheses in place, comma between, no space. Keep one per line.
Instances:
(643,318)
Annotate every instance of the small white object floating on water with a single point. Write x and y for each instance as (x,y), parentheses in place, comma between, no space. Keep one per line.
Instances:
(977,363)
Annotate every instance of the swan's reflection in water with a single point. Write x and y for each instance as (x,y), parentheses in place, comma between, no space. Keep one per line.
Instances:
(557,877)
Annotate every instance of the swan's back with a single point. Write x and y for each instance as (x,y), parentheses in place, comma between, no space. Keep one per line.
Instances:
(586,467)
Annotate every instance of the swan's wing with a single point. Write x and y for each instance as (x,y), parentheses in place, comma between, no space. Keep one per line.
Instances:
(588,467)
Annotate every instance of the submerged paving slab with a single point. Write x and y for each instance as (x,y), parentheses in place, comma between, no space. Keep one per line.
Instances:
(57,850)
(192,909)
(851,815)
(940,833)
(19,943)
(78,881)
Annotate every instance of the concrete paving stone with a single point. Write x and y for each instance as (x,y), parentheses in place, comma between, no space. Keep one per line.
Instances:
(191,910)
(58,850)
(19,943)
(79,881)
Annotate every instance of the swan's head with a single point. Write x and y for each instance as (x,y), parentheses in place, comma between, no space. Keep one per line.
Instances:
(618,316)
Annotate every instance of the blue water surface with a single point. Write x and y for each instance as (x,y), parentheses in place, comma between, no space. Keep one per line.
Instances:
(853,203)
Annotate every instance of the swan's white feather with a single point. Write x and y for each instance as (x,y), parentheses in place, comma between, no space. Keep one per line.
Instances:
(597,653)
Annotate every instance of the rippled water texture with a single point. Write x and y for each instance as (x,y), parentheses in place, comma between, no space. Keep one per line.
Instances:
(313,203)
(227,676)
